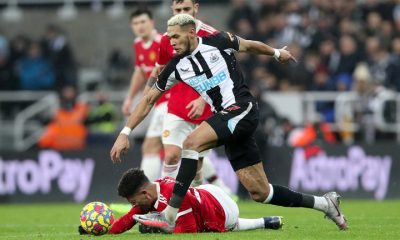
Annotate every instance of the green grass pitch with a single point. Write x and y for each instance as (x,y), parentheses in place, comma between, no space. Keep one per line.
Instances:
(367,220)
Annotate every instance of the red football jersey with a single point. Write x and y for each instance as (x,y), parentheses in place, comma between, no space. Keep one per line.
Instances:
(182,94)
(146,58)
(199,212)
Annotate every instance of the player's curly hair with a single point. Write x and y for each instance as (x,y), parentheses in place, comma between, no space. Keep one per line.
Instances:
(131,181)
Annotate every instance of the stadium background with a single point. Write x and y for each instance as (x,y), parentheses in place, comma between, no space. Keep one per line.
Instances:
(330,122)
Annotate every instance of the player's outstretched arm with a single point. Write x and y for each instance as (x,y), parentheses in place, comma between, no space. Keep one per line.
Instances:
(143,108)
(282,55)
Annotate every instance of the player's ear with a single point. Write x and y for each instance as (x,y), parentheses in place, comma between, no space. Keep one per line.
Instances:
(196,8)
(192,31)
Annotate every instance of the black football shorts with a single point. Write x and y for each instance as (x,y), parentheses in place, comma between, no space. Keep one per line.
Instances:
(235,126)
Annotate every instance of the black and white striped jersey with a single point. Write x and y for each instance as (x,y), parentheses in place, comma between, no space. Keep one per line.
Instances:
(212,70)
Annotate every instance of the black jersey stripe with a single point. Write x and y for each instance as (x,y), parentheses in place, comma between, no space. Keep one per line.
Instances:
(203,64)
(194,66)
(216,96)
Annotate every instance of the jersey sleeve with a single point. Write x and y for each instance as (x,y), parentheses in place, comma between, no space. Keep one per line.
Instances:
(169,76)
(125,222)
(165,51)
(223,40)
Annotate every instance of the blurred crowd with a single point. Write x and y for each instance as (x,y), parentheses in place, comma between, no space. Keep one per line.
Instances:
(37,64)
(329,38)
(342,45)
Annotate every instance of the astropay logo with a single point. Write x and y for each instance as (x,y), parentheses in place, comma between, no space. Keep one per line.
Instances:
(345,173)
(73,176)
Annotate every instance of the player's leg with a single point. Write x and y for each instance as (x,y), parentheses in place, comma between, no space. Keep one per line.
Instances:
(236,128)
(270,222)
(151,161)
(174,133)
(152,145)
(231,210)
(254,179)
(202,138)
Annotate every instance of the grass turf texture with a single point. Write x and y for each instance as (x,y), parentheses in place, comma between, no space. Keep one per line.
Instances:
(367,220)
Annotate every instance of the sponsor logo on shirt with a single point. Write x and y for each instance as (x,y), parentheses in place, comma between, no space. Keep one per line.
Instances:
(202,83)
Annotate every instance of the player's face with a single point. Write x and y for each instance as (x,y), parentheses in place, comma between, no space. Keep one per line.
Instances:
(179,38)
(141,199)
(142,26)
(186,6)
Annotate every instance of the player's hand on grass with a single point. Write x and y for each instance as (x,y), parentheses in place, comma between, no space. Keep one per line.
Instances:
(126,106)
(285,56)
(196,108)
(120,147)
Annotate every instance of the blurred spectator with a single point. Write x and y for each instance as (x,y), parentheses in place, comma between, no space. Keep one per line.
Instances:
(118,69)
(393,69)
(369,109)
(57,49)
(241,10)
(349,54)
(19,48)
(102,120)
(329,55)
(374,24)
(66,131)
(322,82)
(377,59)
(35,71)
(299,74)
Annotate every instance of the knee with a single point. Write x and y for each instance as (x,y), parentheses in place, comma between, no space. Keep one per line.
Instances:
(172,157)
(191,143)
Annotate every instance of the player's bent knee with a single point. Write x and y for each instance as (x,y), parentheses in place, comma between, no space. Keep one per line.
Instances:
(191,143)
(172,154)
(172,158)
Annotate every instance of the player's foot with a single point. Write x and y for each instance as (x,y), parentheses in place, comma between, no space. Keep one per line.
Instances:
(120,208)
(334,213)
(155,220)
(273,222)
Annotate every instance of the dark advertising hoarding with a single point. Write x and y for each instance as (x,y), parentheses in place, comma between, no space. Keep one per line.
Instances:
(46,175)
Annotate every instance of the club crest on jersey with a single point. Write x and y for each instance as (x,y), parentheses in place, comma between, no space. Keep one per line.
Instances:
(213,58)
(184,70)
(152,56)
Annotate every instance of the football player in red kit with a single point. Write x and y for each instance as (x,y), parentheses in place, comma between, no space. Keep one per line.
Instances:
(146,47)
(205,208)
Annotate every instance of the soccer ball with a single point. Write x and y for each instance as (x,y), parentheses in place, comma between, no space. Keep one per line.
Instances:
(96,218)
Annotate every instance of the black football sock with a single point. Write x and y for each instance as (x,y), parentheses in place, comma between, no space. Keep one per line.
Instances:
(283,196)
(186,174)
